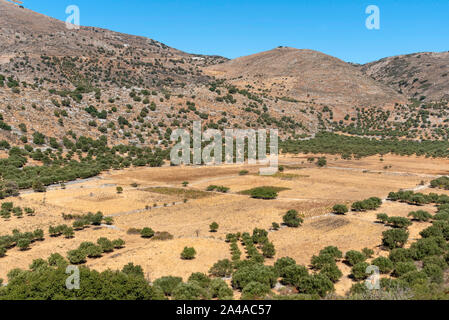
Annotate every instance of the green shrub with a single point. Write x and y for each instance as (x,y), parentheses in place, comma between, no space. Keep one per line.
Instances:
(68,233)
(55,259)
(400,255)
(292,219)
(94,251)
(291,274)
(358,289)
(414,277)
(222,268)
(382,217)
(118,243)
(189,291)
(434,272)
(86,245)
(213,227)
(38,186)
(265,193)
(318,262)
(372,203)
(201,278)
(105,244)
(220,290)
(168,284)
(420,215)
(432,231)
(333,251)
(340,209)
(399,222)
(188,253)
(221,189)
(282,263)
(78,225)
(23,243)
(7,206)
(259,236)
(394,238)
(76,256)
(38,234)
(432,246)
(368,252)
(442,183)
(18,212)
(275,226)
(268,250)
(315,284)
(147,233)
(332,272)
(38,263)
(255,291)
(133,270)
(321,162)
(2,251)
(109,221)
(385,265)
(441,216)
(48,284)
(436,260)
(358,271)
(254,272)
(402,268)
(354,257)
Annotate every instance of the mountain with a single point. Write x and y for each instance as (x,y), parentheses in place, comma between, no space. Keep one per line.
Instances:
(423,76)
(307,75)
(109,57)
(58,83)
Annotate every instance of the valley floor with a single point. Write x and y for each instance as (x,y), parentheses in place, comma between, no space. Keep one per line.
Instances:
(154,197)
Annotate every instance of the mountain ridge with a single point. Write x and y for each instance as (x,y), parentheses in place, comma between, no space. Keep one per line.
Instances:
(420,75)
(328,80)
(133,89)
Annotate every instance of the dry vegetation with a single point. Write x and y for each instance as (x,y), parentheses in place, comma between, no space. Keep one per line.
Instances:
(156,199)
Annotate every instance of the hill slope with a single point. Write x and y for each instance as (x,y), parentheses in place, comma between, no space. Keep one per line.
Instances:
(92,82)
(422,76)
(307,75)
(113,58)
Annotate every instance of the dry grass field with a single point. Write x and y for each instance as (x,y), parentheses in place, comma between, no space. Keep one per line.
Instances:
(155,197)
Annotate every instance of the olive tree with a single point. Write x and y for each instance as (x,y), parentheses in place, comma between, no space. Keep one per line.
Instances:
(358,271)
(394,238)
(188,253)
(222,268)
(340,209)
(385,265)
(354,257)
(292,219)
(147,233)
(213,227)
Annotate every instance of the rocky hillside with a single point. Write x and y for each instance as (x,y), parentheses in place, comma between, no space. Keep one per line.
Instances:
(33,45)
(56,82)
(423,76)
(307,75)
(93,81)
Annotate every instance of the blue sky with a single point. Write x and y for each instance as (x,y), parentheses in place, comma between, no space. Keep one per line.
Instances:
(234,28)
